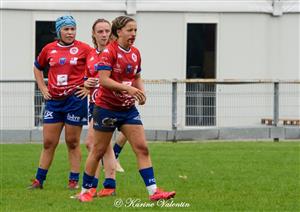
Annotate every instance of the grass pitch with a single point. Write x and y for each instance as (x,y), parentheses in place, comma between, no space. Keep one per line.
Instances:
(212,176)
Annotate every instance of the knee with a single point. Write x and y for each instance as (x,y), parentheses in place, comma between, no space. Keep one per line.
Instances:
(49,144)
(72,143)
(97,153)
(89,145)
(142,150)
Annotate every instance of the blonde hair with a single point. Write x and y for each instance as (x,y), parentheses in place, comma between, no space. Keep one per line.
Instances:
(119,23)
(100,20)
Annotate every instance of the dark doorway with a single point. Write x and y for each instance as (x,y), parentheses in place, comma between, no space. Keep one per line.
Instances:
(44,34)
(201,64)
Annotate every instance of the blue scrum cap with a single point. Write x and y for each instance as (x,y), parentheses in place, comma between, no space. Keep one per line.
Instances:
(62,21)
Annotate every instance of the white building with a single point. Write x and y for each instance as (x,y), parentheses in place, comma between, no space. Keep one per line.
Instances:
(258,39)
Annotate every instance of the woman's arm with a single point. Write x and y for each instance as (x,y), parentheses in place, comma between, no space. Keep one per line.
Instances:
(107,82)
(39,77)
(139,84)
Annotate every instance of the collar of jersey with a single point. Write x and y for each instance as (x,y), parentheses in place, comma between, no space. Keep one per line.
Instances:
(97,51)
(72,44)
(126,51)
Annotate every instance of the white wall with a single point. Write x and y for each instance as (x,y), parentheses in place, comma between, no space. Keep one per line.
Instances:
(259,46)
(249,46)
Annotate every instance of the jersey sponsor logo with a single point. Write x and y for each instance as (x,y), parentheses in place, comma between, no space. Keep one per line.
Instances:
(129,101)
(128,69)
(73,60)
(135,69)
(95,67)
(117,68)
(134,57)
(51,62)
(74,50)
(94,94)
(48,114)
(108,122)
(62,60)
(84,119)
(62,79)
(119,56)
(53,51)
(152,180)
(138,118)
(72,117)
(129,83)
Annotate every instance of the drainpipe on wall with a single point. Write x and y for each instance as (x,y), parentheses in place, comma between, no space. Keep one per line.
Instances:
(130,7)
(277,8)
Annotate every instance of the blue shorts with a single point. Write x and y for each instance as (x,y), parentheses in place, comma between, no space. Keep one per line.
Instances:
(108,120)
(91,108)
(71,110)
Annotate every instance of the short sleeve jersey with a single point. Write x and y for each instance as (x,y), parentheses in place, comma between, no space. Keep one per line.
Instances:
(66,66)
(124,65)
(91,71)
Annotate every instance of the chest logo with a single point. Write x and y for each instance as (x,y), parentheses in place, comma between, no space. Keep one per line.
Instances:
(128,69)
(74,50)
(62,60)
(73,60)
(96,67)
(53,51)
(134,57)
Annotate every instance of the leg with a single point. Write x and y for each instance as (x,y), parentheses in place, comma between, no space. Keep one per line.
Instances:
(101,142)
(121,140)
(89,142)
(118,146)
(51,134)
(137,140)
(72,137)
(109,163)
(89,139)
(109,183)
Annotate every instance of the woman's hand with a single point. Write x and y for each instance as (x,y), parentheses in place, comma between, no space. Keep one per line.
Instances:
(45,93)
(82,92)
(91,82)
(138,94)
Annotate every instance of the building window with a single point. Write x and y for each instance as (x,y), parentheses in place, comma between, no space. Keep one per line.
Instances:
(201,64)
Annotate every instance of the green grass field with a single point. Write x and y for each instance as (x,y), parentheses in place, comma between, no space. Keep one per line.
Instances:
(207,176)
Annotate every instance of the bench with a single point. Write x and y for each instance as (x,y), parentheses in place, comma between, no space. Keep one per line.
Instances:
(269,121)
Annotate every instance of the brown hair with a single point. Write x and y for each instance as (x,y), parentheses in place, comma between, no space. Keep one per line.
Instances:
(119,23)
(100,20)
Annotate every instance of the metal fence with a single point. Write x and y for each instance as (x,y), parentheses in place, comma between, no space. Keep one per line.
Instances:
(178,104)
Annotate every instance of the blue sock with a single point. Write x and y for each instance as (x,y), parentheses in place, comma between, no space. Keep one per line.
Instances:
(74,176)
(87,181)
(95,182)
(148,176)
(117,150)
(109,183)
(41,175)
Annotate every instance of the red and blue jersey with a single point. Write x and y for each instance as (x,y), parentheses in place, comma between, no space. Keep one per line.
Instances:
(124,65)
(91,71)
(66,66)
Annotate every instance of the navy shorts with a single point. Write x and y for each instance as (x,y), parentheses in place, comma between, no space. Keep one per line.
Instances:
(91,108)
(108,120)
(71,110)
